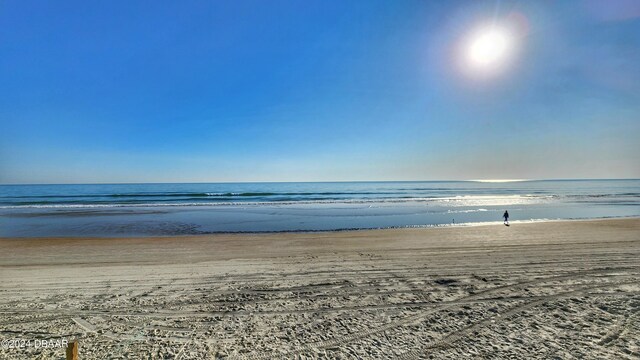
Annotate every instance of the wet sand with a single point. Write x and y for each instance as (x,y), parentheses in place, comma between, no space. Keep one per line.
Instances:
(539,290)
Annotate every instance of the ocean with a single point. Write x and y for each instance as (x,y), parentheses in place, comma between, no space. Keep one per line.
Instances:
(118,210)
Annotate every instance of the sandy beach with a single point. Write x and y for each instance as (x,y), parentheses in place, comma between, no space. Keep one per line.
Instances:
(540,290)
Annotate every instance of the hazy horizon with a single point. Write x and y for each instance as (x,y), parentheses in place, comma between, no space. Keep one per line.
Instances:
(336,181)
(318,91)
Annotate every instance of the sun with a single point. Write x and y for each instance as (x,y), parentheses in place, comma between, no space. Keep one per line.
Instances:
(488,49)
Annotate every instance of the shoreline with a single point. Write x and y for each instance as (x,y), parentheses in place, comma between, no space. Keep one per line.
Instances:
(537,290)
(345,230)
(246,245)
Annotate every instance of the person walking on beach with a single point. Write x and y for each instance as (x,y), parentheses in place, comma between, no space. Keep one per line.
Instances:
(506,217)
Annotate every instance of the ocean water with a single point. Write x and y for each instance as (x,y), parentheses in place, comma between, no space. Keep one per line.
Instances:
(176,209)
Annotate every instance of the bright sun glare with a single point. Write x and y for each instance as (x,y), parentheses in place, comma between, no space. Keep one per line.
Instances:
(489,48)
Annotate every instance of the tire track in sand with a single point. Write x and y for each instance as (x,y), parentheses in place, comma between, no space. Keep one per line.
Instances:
(455,336)
(335,342)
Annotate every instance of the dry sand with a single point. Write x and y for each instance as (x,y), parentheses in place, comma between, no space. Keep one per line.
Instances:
(544,290)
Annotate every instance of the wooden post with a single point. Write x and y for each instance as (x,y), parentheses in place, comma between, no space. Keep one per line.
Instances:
(72,350)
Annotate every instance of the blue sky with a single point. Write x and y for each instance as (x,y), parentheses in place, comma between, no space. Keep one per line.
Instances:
(198,91)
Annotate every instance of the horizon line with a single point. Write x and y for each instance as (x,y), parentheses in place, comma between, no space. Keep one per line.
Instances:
(319,182)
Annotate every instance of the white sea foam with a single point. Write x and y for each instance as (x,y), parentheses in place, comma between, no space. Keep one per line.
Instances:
(480,223)
(465,211)
(456,201)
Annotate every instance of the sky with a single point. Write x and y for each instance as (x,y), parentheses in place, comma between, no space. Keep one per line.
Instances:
(225,91)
